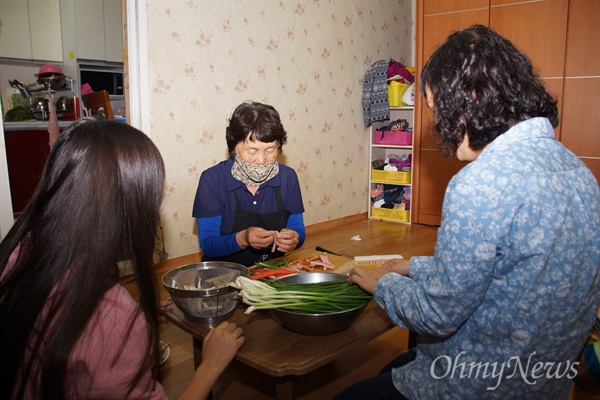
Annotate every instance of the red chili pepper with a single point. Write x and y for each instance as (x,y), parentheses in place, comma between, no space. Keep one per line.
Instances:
(259,274)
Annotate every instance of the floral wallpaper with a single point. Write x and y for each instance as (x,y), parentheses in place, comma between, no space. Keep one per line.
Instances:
(306,58)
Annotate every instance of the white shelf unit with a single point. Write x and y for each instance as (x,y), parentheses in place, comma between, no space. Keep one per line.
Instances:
(391,180)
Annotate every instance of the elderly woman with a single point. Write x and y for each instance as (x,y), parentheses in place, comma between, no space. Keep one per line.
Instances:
(249,207)
(504,306)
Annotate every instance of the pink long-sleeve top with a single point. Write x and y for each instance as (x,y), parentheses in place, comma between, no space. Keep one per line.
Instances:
(94,371)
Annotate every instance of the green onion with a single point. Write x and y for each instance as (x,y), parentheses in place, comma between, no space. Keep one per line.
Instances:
(271,264)
(308,298)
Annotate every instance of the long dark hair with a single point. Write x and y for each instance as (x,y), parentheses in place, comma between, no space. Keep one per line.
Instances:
(483,85)
(97,204)
(259,120)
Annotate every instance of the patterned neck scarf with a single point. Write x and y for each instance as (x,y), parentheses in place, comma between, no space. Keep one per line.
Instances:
(253,174)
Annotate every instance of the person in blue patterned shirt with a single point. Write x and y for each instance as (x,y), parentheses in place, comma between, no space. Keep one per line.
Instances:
(503,307)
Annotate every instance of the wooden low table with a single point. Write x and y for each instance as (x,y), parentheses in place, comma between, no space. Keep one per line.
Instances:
(281,353)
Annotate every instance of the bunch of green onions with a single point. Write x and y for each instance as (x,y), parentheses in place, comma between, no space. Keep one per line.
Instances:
(308,298)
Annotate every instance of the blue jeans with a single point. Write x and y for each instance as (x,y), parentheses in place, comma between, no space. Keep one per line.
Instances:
(379,387)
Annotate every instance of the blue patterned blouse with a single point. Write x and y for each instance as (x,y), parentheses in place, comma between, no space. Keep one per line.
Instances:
(504,306)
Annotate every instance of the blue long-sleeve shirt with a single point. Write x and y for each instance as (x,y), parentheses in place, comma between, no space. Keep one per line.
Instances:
(215,205)
(503,307)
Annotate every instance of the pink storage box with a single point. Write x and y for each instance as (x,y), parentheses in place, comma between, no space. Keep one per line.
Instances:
(397,138)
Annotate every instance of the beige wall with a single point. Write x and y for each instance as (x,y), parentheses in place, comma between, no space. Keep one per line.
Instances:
(306,58)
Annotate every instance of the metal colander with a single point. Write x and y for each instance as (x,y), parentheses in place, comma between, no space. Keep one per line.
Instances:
(201,290)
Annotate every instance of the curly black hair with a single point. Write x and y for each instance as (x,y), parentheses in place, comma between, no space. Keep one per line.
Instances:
(482,85)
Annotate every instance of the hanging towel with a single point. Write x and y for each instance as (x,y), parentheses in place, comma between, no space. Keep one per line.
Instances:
(375,96)
(53,128)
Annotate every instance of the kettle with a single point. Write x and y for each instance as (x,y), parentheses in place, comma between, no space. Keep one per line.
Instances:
(63,105)
(39,107)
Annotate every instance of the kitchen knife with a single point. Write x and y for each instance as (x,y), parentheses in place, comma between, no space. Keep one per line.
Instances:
(319,248)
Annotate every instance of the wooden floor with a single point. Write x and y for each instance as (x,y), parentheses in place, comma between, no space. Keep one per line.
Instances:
(240,382)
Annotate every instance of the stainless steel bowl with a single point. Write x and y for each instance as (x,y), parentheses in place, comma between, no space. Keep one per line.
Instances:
(39,107)
(202,292)
(316,324)
(63,104)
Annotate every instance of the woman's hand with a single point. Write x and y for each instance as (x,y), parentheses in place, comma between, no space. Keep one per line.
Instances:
(221,344)
(287,240)
(397,265)
(255,237)
(369,278)
(366,278)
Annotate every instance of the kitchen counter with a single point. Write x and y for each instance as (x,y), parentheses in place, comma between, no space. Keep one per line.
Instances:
(32,125)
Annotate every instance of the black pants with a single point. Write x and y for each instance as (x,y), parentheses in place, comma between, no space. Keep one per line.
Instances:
(379,387)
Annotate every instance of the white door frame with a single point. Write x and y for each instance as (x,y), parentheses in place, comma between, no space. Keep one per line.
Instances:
(138,113)
(6,210)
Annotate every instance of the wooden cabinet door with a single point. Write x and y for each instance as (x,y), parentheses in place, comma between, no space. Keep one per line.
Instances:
(538,29)
(526,25)
(435,168)
(580,127)
(431,7)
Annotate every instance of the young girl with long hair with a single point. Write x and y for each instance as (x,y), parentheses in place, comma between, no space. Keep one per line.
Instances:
(69,329)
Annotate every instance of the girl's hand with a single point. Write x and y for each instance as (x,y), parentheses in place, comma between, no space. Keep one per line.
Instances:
(218,349)
(164,304)
(221,344)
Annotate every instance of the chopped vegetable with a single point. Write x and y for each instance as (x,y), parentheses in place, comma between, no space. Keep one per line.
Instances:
(163,345)
(260,269)
(310,263)
(309,298)
(269,269)
(270,264)
(268,273)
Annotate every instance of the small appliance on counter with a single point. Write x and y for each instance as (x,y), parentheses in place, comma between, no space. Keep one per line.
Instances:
(96,76)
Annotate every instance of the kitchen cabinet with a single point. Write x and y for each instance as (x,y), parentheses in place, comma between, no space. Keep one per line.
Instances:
(27,149)
(580,112)
(390,191)
(31,30)
(26,155)
(557,35)
(99,30)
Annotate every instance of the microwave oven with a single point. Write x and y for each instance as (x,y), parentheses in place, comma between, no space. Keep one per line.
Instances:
(103,78)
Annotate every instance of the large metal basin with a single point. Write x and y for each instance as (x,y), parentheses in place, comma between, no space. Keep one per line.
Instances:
(316,324)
